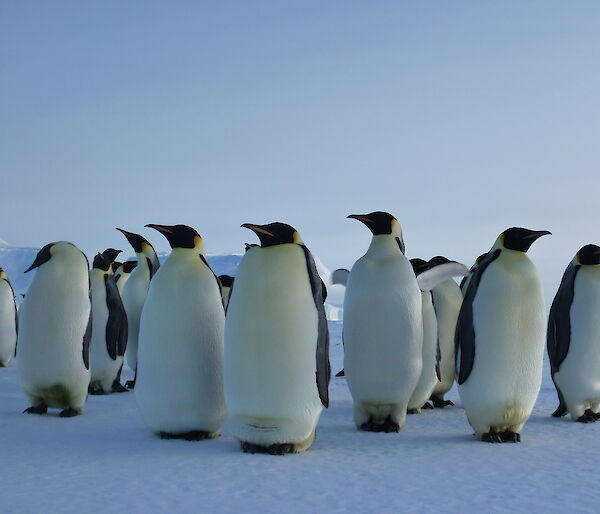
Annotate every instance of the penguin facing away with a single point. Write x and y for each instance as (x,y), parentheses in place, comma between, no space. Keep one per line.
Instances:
(276,344)
(109,330)
(383,328)
(179,387)
(134,293)
(122,274)
(573,337)
(226,285)
(8,320)
(500,339)
(53,358)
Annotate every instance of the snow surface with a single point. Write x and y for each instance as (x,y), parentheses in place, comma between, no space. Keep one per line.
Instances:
(106,461)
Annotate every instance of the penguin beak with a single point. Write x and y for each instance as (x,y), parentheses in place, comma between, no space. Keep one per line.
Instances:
(257,229)
(536,235)
(163,229)
(135,240)
(43,256)
(361,217)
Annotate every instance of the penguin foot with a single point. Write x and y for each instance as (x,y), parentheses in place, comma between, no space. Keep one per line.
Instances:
(192,435)
(69,413)
(130,384)
(428,405)
(587,417)
(40,409)
(388,426)
(440,403)
(510,437)
(273,449)
(95,389)
(597,415)
(412,411)
(341,373)
(560,411)
(492,437)
(118,388)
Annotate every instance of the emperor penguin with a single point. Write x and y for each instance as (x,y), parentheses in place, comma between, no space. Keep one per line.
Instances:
(226,285)
(122,274)
(8,320)
(383,328)
(179,386)
(134,293)
(573,337)
(340,276)
(430,373)
(55,330)
(500,339)
(447,299)
(276,345)
(109,330)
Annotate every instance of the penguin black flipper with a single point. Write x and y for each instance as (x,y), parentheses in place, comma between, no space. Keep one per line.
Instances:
(116,325)
(319,292)
(87,337)
(216,278)
(465,331)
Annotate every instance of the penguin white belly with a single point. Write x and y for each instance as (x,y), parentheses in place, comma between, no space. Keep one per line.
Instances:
(270,349)
(103,369)
(50,352)
(509,323)
(447,298)
(428,378)
(579,374)
(134,295)
(123,279)
(179,385)
(8,326)
(383,336)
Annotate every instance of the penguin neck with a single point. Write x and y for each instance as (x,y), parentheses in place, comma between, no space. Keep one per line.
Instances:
(96,272)
(385,245)
(183,254)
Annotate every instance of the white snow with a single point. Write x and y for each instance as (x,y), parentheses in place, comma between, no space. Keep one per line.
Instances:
(106,461)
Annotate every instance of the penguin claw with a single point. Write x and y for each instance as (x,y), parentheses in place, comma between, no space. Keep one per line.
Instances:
(273,449)
(428,405)
(192,435)
(492,437)
(588,417)
(388,426)
(440,403)
(68,413)
(510,437)
(40,409)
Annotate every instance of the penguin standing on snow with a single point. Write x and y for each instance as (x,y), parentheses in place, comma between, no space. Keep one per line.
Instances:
(500,339)
(109,330)
(573,338)
(383,328)
(8,320)
(226,285)
(122,274)
(179,386)
(55,330)
(134,293)
(276,344)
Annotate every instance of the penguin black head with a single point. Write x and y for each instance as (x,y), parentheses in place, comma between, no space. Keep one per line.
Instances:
(378,222)
(520,239)
(419,265)
(101,262)
(276,233)
(111,254)
(115,266)
(226,280)
(179,236)
(589,255)
(439,259)
(135,240)
(129,266)
(42,256)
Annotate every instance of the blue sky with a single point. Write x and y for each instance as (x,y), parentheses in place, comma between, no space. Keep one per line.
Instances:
(461,118)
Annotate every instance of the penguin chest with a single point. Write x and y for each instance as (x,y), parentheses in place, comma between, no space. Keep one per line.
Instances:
(8,328)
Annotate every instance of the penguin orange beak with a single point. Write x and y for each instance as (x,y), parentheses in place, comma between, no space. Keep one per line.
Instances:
(257,229)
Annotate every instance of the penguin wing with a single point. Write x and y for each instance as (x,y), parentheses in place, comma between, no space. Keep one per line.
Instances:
(558,337)
(116,325)
(430,278)
(87,337)
(217,279)
(319,292)
(464,336)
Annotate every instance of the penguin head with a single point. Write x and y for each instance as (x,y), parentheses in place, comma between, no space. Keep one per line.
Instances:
(101,262)
(180,236)
(128,266)
(520,239)
(438,260)
(138,243)
(419,265)
(61,249)
(2,274)
(588,255)
(276,233)
(111,254)
(381,223)
(115,266)
(226,280)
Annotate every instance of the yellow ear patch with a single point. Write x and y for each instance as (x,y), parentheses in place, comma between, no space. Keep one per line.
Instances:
(297,239)
(197,240)
(395,226)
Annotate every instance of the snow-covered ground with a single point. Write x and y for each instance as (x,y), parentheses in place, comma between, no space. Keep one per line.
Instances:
(106,461)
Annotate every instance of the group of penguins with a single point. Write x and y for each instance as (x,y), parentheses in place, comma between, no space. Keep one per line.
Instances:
(255,349)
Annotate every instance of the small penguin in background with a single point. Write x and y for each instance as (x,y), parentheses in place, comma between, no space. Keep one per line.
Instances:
(276,344)
(110,254)
(340,276)
(573,338)
(383,328)
(122,274)
(53,358)
(115,266)
(464,283)
(8,320)
(447,299)
(430,373)
(134,293)
(179,386)
(109,329)
(500,339)
(226,285)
